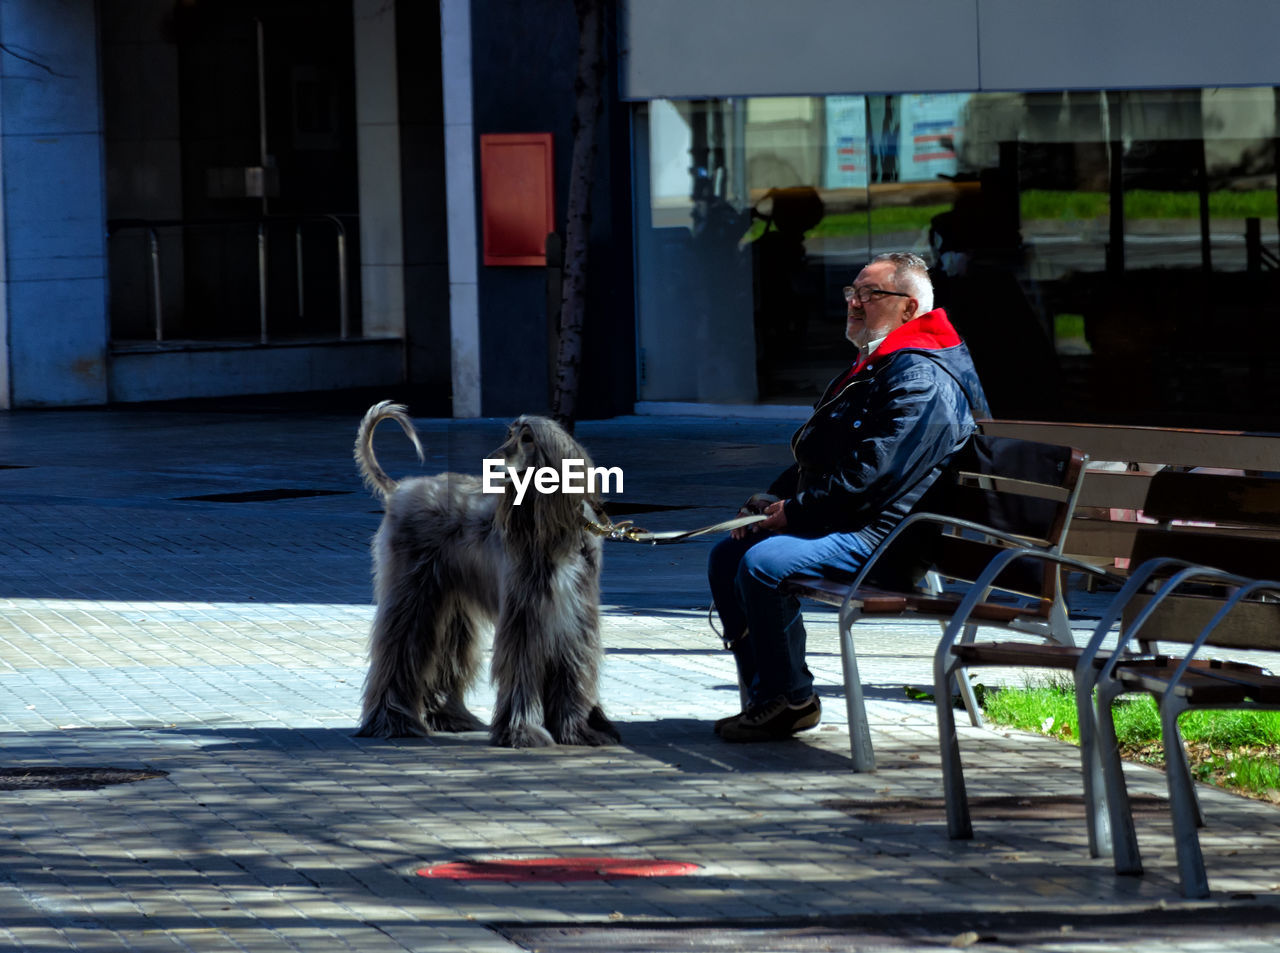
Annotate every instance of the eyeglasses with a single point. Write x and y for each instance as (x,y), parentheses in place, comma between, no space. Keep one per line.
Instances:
(865,295)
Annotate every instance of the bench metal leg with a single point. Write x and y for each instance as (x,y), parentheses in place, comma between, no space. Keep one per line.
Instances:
(1126,856)
(1095,798)
(1060,621)
(965,686)
(959,823)
(864,758)
(1183,805)
(933,584)
(1175,756)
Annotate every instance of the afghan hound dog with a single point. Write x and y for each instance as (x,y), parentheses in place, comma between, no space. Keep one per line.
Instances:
(449,560)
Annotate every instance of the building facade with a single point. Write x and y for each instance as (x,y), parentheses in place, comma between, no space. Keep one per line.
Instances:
(215,197)
(1094,184)
(205,198)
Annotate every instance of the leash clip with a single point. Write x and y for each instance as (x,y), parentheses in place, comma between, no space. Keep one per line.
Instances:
(626,531)
(622,531)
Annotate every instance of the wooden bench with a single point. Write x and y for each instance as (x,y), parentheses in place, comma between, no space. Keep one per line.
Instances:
(1122,463)
(1001,493)
(1209,539)
(1103,529)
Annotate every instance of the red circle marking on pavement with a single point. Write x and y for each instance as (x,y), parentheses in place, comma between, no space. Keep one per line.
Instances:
(557,868)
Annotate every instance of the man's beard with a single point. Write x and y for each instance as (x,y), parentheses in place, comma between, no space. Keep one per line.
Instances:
(865,339)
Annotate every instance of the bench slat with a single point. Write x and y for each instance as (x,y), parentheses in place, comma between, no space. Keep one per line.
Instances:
(1240,553)
(1213,497)
(1017,654)
(1100,538)
(1204,688)
(1179,447)
(878,601)
(827,591)
(1123,489)
(1180,618)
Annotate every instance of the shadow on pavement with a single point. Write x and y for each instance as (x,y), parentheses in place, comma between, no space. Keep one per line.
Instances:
(1028,930)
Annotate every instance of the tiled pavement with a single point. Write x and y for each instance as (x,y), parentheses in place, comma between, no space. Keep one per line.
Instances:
(222,643)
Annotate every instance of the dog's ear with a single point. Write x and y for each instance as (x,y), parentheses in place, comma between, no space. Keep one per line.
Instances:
(533,448)
(560,443)
(513,450)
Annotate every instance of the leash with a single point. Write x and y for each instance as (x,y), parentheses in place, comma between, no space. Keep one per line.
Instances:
(627,532)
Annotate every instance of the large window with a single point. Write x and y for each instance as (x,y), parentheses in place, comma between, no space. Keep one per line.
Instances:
(1107,255)
(231,172)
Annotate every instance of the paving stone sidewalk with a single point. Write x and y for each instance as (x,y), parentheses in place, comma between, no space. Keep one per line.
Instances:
(186,594)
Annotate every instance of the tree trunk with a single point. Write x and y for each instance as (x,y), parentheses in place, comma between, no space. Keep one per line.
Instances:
(588,93)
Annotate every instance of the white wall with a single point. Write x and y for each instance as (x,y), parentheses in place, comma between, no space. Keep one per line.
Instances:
(460,187)
(712,48)
(378,156)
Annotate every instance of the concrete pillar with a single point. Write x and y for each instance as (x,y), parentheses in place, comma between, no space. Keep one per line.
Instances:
(53,292)
(378,156)
(460,184)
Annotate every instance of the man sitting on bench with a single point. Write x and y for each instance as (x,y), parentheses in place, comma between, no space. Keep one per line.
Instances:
(876,441)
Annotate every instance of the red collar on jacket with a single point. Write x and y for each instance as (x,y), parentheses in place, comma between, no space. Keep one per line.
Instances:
(932,331)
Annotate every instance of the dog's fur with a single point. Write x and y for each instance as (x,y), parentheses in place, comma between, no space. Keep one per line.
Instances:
(450,559)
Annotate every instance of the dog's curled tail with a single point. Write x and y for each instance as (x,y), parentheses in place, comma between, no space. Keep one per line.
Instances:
(375,478)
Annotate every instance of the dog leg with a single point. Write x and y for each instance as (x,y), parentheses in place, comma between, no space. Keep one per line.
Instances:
(597,719)
(400,651)
(453,715)
(573,719)
(457,663)
(517,714)
(510,730)
(570,694)
(573,715)
(388,717)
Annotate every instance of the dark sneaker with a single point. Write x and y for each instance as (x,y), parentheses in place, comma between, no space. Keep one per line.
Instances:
(773,720)
(721,722)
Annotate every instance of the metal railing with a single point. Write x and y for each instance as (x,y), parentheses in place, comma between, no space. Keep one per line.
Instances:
(152,227)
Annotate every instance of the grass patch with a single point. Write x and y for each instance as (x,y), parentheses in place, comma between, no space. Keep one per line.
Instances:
(1239,750)
(1068,206)
(879,221)
(890,218)
(1049,205)
(1146,203)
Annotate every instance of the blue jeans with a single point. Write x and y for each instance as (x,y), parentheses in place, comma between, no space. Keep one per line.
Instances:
(744,576)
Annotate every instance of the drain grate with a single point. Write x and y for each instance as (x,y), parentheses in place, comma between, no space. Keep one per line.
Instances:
(262,496)
(71,779)
(558,869)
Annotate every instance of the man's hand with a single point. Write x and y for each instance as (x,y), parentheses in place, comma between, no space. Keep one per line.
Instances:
(758,503)
(776,522)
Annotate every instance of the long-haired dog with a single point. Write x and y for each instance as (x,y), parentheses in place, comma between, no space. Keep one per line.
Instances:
(449,560)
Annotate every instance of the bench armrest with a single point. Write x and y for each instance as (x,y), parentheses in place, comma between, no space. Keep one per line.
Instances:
(1191,573)
(945,521)
(983,585)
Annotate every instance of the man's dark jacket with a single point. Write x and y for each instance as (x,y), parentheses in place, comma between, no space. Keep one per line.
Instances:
(881,434)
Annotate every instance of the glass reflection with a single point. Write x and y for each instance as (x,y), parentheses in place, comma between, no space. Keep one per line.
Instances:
(1075,237)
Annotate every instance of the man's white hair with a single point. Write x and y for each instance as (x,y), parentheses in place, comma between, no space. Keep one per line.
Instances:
(911,275)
